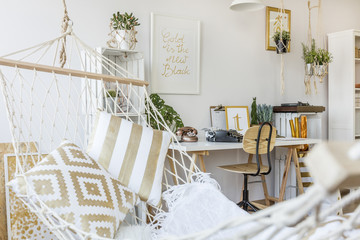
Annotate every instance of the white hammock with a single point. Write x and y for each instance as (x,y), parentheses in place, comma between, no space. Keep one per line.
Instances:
(46,104)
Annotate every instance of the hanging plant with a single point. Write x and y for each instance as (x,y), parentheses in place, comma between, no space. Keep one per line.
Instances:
(123,34)
(282,40)
(322,60)
(309,55)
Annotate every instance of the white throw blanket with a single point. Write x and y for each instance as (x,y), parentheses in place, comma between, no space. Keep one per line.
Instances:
(200,205)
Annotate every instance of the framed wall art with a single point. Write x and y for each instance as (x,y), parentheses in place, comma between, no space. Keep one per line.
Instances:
(18,214)
(273,24)
(237,117)
(175,55)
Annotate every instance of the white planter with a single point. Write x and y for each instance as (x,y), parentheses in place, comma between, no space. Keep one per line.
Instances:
(309,69)
(126,39)
(109,104)
(320,70)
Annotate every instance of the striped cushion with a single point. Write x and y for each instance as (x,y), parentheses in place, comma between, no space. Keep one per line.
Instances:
(134,154)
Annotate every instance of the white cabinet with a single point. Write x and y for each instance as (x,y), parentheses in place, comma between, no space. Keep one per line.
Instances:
(128,64)
(344,72)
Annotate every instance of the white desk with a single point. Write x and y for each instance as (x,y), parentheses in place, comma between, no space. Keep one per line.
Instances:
(202,148)
(212,146)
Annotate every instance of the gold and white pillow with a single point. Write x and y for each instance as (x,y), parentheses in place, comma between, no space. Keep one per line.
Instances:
(132,153)
(80,191)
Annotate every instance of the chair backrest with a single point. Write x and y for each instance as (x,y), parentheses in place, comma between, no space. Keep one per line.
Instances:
(250,139)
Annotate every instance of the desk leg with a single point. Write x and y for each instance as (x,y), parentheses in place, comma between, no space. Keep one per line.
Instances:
(202,164)
(298,173)
(192,166)
(285,175)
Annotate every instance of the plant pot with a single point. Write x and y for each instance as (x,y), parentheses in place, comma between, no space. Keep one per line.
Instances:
(281,47)
(309,69)
(109,104)
(126,39)
(320,70)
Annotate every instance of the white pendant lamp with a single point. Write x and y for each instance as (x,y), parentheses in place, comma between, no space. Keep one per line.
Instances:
(247,5)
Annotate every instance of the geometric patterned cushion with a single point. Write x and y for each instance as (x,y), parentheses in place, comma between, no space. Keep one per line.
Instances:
(132,153)
(79,190)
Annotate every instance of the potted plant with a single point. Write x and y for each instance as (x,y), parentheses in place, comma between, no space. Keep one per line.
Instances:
(322,59)
(171,117)
(264,113)
(124,25)
(110,100)
(309,55)
(282,40)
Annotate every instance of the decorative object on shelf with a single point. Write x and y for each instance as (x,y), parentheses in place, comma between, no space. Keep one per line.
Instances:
(277,20)
(175,55)
(237,118)
(187,134)
(264,113)
(114,98)
(254,117)
(247,5)
(111,96)
(282,41)
(123,33)
(171,117)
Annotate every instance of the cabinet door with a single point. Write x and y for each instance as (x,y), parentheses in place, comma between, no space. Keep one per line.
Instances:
(341,86)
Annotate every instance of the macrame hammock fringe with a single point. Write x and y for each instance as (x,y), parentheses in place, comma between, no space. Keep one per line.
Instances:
(46,104)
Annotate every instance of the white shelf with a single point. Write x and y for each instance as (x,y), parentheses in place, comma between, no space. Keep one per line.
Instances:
(115,51)
(357,60)
(129,114)
(357,135)
(357,108)
(357,89)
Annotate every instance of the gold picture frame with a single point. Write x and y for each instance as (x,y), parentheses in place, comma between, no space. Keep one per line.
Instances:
(237,117)
(273,23)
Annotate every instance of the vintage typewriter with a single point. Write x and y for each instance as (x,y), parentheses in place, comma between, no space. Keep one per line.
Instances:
(223,136)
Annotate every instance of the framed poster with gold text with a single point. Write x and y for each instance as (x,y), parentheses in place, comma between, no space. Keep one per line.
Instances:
(175,55)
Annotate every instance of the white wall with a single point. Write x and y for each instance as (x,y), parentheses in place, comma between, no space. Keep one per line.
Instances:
(234,63)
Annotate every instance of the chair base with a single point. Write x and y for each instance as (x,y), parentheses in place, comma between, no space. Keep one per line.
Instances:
(247,206)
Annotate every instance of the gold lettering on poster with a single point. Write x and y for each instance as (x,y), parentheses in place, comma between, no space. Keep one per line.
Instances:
(177,54)
(237,122)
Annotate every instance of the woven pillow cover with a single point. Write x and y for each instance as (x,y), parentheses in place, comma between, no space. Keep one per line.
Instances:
(80,191)
(134,154)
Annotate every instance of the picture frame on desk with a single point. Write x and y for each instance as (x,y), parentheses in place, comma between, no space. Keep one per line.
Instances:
(237,117)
